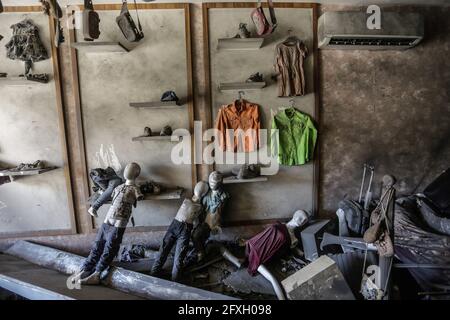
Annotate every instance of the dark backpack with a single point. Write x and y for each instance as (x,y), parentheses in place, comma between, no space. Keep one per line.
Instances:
(356,217)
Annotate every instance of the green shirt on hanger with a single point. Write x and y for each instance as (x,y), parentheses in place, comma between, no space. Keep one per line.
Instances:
(297,137)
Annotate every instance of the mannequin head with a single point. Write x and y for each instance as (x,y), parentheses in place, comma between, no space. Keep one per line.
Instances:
(215,180)
(201,188)
(131,172)
(299,218)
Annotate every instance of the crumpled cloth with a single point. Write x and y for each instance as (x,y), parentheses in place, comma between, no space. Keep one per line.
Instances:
(25,43)
(265,245)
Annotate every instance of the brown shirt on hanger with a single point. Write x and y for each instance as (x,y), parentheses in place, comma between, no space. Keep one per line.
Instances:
(289,64)
(238,115)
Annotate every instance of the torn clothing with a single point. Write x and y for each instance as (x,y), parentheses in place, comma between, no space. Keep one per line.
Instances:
(178,235)
(189,211)
(105,248)
(243,118)
(101,177)
(123,198)
(25,44)
(289,65)
(265,245)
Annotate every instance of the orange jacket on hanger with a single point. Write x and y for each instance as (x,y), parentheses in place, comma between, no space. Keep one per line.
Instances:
(243,118)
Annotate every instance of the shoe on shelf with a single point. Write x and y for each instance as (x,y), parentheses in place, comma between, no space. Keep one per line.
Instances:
(256,77)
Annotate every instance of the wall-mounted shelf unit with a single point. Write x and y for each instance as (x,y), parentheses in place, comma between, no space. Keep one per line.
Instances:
(19,81)
(157,105)
(13,174)
(240,43)
(234,179)
(152,138)
(100,47)
(232,86)
(168,194)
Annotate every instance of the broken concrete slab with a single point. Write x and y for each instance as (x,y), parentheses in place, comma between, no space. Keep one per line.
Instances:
(242,282)
(320,280)
(124,280)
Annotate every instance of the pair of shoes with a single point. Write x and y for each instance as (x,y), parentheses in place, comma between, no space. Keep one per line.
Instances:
(169,96)
(247,171)
(256,77)
(93,212)
(29,166)
(166,131)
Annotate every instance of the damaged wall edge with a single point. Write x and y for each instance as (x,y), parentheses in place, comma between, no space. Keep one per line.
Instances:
(120,279)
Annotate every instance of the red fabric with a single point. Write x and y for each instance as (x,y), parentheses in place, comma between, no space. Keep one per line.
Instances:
(262,247)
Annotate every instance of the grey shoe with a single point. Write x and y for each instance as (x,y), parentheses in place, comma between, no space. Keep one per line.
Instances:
(93,212)
(93,279)
(166,131)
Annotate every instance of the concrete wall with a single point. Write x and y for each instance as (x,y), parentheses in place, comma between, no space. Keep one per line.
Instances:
(292,187)
(28,132)
(110,81)
(387,108)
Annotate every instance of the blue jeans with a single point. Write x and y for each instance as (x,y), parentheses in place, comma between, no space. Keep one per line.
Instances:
(106,195)
(105,248)
(179,234)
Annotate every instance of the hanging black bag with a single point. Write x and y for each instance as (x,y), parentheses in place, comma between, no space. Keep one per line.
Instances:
(127,25)
(91,22)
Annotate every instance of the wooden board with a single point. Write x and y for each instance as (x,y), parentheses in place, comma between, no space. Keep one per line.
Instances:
(241,86)
(9,173)
(234,179)
(153,138)
(100,47)
(18,81)
(240,43)
(157,105)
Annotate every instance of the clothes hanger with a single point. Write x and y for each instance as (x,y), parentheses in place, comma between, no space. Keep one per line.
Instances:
(240,98)
(291,39)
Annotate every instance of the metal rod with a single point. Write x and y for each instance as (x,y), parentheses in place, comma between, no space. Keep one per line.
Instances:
(362,184)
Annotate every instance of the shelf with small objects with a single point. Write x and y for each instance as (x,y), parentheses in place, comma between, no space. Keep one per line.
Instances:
(246,173)
(243,40)
(165,134)
(169,100)
(22,81)
(13,173)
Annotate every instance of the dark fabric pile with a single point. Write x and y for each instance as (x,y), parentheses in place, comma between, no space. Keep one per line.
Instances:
(25,44)
(416,243)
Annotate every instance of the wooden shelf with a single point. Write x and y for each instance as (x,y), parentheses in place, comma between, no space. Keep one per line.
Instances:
(99,47)
(241,86)
(240,43)
(19,81)
(234,179)
(169,194)
(153,138)
(157,105)
(11,174)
